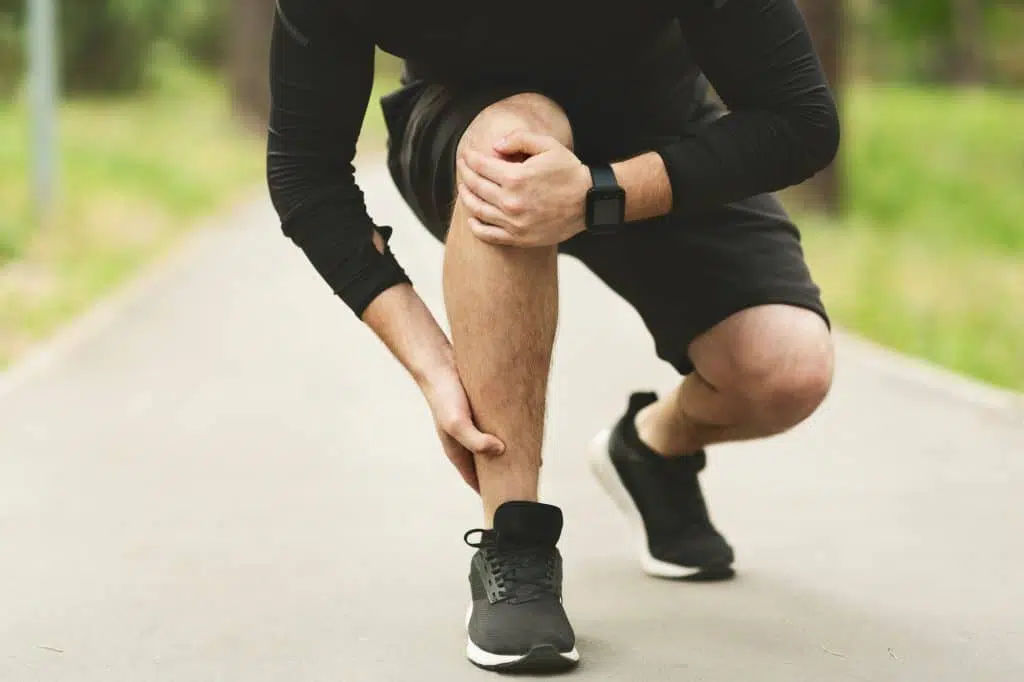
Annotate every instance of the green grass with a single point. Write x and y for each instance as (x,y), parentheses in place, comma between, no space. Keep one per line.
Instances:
(930,260)
(135,173)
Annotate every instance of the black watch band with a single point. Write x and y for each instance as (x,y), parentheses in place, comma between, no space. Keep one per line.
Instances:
(606,201)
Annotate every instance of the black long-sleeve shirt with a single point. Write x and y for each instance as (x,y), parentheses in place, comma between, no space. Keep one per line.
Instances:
(757,54)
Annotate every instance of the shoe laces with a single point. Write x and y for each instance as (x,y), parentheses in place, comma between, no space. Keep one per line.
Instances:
(522,573)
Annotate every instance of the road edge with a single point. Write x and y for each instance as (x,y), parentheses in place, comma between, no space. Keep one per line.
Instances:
(910,369)
(49,352)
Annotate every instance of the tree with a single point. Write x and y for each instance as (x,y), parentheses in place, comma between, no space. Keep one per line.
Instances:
(827,22)
(967,60)
(249,58)
(949,36)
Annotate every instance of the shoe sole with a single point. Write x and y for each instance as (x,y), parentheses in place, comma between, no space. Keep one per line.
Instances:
(541,658)
(607,475)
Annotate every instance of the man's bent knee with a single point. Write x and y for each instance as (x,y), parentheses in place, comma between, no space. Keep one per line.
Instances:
(784,374)
(791,393)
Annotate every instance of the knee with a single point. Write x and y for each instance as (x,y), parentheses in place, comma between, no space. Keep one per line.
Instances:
(525,111)
(522,112)
(789,373)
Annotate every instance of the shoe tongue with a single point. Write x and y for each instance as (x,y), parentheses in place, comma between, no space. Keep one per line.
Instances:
(528,523)
(639,401)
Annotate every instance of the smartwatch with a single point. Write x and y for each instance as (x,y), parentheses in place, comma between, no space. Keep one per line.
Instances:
(606,202)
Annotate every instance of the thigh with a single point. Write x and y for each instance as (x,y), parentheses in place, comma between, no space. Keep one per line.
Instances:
(684,275)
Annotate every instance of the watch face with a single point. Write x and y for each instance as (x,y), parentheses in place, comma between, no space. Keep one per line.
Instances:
(607,211)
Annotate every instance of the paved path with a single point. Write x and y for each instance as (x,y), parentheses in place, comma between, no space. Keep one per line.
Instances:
(231,481)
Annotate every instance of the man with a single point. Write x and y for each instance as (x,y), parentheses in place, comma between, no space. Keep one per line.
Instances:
(527,129)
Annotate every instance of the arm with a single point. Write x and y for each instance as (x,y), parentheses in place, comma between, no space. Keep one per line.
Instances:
(783,126)
(321,76)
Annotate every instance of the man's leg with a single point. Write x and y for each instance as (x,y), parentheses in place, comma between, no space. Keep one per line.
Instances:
(758,373)
(503,309)
(731,304)
(502,306)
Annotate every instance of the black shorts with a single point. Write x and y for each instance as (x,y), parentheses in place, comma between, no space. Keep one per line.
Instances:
(682,273)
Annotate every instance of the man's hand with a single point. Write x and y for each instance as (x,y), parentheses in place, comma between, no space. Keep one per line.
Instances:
(402,321)
(454,421)
(535,202)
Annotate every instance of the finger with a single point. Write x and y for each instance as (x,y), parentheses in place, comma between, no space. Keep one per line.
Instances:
(492,234)
(498,171)
(486,189)
(462,459)
(480,209)
(526,142)
(474,440)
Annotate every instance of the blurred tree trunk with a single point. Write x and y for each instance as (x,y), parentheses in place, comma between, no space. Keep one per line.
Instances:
(827,22)
(967,64)
(249,58)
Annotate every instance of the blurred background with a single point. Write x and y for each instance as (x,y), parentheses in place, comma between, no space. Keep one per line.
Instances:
(916,234)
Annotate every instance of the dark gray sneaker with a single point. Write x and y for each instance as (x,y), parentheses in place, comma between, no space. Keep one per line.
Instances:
(516,622)
(662,498)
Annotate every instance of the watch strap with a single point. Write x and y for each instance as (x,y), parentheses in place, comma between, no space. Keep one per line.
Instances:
(603,176)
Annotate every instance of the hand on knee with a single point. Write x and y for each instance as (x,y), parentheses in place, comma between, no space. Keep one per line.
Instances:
(519,182)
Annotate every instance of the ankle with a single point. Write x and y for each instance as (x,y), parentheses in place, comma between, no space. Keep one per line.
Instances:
(666,432)
(491,505)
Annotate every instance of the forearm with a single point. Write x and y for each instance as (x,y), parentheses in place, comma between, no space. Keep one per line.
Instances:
(401,319)
(321,74)
(647,186)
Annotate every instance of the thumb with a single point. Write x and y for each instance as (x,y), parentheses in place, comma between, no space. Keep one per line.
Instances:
(462,459)
(477,442)
(525,142)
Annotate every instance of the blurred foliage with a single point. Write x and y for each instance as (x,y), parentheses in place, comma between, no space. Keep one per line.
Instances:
(199,28)
(12,59)
(107,45)
(912,19)
(930,259)
(925,40)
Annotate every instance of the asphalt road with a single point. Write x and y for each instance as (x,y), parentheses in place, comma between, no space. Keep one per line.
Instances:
(227,478)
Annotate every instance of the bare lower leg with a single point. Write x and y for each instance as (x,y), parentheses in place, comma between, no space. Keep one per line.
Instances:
(693,415)
(503,309)
(759,373)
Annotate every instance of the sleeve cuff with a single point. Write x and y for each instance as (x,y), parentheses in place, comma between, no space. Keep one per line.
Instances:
(380,273)
(677,170)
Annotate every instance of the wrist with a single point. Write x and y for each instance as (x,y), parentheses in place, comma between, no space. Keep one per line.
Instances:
(647,186)
(605,201)
(403,322)
(439,362)
(583,184)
